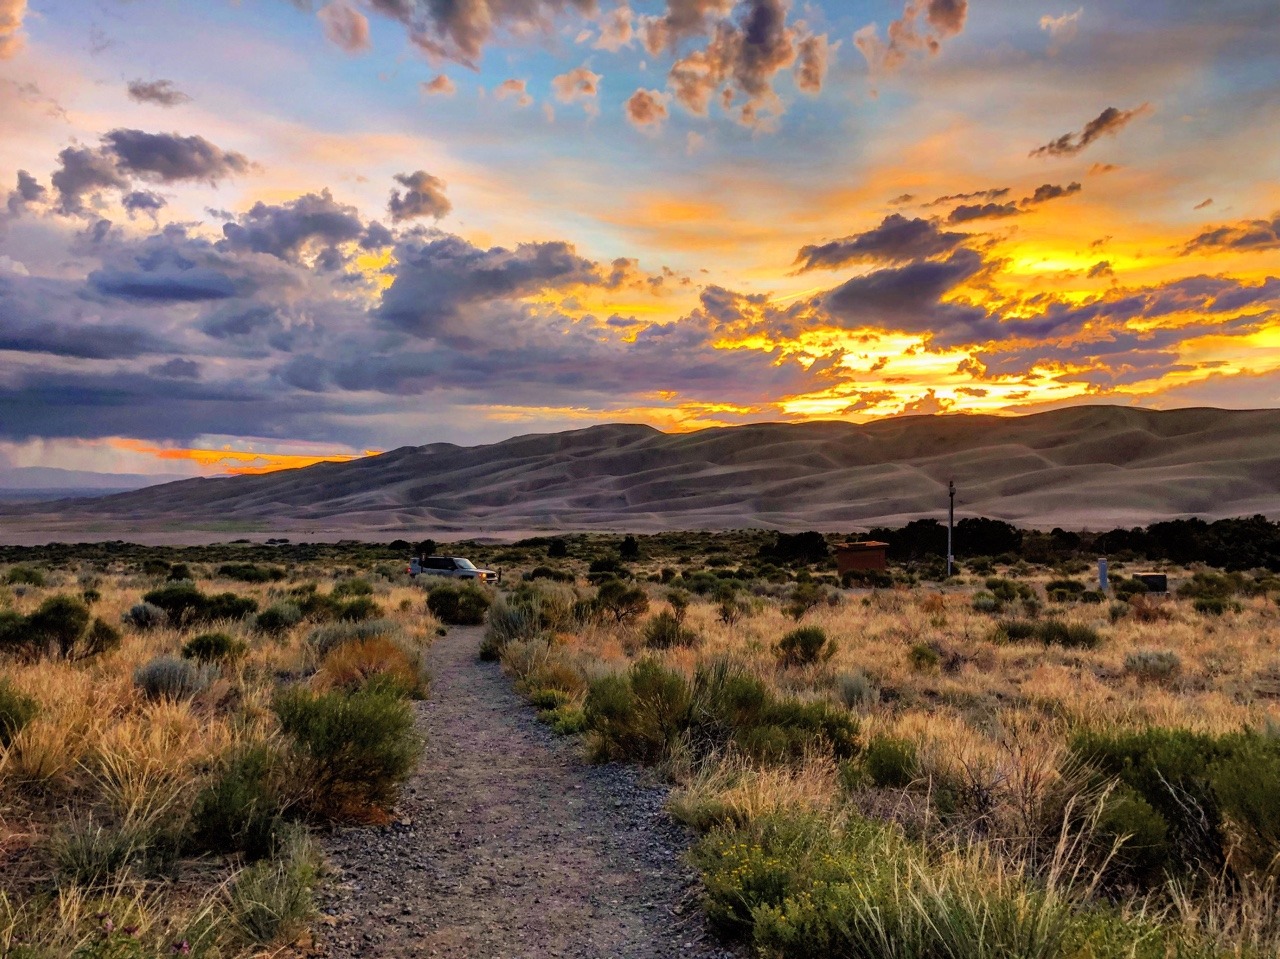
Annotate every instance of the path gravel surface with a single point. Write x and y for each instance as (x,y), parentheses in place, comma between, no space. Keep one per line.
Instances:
(506,843)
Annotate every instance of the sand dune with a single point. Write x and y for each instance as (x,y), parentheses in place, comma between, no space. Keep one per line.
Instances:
(1089,466)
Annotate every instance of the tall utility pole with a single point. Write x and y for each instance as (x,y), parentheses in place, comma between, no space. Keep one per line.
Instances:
(951,524)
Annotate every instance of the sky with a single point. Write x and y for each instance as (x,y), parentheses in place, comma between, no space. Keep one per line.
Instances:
(238,236)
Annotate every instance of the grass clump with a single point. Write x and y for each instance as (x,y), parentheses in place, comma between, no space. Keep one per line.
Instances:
(351,751)
(278,618)
(378,660)
(1153,665)
(665,631)
(272,900)
(16,711)
(184,604)
(241,809)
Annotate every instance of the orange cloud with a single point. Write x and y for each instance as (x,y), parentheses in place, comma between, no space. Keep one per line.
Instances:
(238,462)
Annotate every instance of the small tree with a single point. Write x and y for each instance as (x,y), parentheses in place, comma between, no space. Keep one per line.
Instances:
(623,602)
(630,548)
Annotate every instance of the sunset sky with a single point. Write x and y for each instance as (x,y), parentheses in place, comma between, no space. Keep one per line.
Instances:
(238,235)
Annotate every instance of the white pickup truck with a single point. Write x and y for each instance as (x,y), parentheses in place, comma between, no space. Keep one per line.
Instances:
(454,567)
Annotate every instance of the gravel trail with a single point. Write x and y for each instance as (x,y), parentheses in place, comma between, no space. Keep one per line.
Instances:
(506,843)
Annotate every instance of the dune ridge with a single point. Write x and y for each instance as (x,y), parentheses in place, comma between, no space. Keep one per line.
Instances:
(1088,466)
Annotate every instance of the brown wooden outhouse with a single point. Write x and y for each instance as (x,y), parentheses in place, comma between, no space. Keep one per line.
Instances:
(861,556)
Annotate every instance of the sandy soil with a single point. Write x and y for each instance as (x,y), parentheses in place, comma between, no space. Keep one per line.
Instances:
(507,844)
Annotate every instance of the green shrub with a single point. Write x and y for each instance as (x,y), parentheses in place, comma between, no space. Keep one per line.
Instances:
(1213,795)
(664,631)
(456,605)
(804,647)
(890,762)
(1125,589)
(329,636)
(250,573)
(1153,665)
(866,578)
(58,624)
(508,622)
(1211,605)
(145,617)
(278,618)
(625,603)
(241,809)
(986,603)
(807,594)
(1014,631)
(226,606)
(101,638)
(1207,585)
(16,710)
(271,902)
(636,716)
(1142,834)
(214,648)
(352,587)
(14,637)
(1072,587)
(923,658)
(24,576)
(351,751)
(1054,632)
(167,677)
(548,572)
(91,595)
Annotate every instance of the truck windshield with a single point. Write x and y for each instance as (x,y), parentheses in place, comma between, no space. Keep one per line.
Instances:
(465,564)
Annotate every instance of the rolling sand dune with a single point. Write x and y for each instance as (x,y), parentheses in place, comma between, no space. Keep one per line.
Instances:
(1089,466)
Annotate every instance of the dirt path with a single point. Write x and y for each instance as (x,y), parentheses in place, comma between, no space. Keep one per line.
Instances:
(507,844)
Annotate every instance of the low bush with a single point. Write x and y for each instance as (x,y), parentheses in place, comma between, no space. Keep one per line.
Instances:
(1213,605)
(866,578)
(624,602)
(241,809)
(459,605)
(278,618)
(145,617)
(101,638)
(1014,631)
(250,573)
(271,901)
(891,762)
(548,572)
(1008,590)
(923,658)
(804,647)
(58,625)
(352,587)
(359,664)
(1214,800)
(329,636)
(664,631)
(183,603)
(1072,587)
(24,576)
(638,716)
(984,602)
(857,690)
(1210,585)
(1153,665)
(16,711)
(168,677)
(1054,632)
(1126,588)
(350,751)
(214,648)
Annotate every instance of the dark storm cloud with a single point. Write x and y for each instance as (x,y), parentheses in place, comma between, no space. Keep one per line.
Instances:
(896,240)
(423,197)
(83,172)
(160,92)
(143,201)
(998,193)
(170,158)
(177,369)
(437,276)
(1107,123)
(684,18)
(982,211)
(1051,191)
(1246,235)
(27,191)
(287,230)
(239,321)
(40,315)
(905,298)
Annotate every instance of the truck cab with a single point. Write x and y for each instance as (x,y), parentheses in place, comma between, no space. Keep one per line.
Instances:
(453,567)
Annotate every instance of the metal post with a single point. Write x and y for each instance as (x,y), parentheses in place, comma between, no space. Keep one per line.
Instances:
(951,523)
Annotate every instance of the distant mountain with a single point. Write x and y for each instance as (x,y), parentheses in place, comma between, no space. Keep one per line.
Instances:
(1087,466)
(50,483)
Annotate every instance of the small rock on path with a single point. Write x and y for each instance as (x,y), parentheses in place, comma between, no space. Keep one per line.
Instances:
(507,844)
